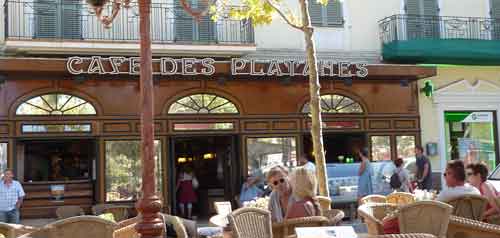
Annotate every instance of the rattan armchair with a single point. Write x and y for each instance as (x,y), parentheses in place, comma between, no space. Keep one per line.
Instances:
(64,212)
(334,216)
(374,198)
(469,206)
(127,230)
(411,235)
(401,198)
(430,217)
(372,215)
(287,228)
(14,230)
(324,202)
(78,227)
(461,227)
(250,222)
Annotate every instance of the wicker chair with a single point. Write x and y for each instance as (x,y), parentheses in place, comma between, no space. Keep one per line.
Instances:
(78,227)
(14,230)
(412,235)
(324,202)
(287,228)
(495,219)
(373,213)
(401,198)
(249,222)
(430,217)
(129,221)
(120,213)
(129,231)
(334,216)
(469,206)
(461,227)
(374,198)
(69,211)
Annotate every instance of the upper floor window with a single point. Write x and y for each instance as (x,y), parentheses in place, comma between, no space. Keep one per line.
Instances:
(330,15)
(202,104)
(56,104)
(334,103)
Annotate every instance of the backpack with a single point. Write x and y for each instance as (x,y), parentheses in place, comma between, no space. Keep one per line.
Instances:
(395,181)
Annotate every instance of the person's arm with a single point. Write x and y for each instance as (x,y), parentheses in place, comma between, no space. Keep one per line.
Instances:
(490,195)
(21,195)
(362,167)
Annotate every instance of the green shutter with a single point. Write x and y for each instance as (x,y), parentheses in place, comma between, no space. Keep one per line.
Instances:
(46,18)
(334,14)
(184,23)
(495,14)
(206,27)
(418,26)
(431,22)
(413,7)
(315,13)
(71,23)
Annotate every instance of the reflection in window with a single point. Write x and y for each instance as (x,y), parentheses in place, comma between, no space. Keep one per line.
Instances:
(202,104)
(333,103)
(3,157)
(265,153)
(203,126)
(56,104)
(123,169)
(381,148)
(405,146)
(56,128)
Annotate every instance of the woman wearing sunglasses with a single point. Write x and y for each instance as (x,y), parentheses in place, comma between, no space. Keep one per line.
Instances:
(281,195)
(477,174)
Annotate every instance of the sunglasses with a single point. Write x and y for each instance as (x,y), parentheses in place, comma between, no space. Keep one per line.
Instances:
(281,180)
(470,174)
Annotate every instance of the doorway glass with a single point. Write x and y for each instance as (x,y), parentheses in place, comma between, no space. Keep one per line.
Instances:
(3,157)
(381,148)
(266,152)
(123,169)
(471,137)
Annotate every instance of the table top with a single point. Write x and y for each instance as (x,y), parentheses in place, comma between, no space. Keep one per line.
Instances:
(326,232)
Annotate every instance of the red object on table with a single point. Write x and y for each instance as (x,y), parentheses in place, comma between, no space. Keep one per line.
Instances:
(391,226)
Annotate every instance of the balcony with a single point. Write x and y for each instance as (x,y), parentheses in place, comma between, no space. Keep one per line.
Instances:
(440,40)
(50,27)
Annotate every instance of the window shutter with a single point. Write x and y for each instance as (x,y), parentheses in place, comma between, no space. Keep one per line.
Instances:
(334,14)
(315,13)
(184,23)
(413,7)
(71,19)
(495,14)
(418,26)
(46,12)
(206,27)
(430,7)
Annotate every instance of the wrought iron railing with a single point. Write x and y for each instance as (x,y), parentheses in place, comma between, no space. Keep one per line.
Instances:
(52,20)
(415,27)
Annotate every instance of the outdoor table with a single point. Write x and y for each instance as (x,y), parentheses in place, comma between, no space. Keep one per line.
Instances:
(326,232)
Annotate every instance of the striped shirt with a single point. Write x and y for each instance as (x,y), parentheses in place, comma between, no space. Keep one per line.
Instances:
(9,195)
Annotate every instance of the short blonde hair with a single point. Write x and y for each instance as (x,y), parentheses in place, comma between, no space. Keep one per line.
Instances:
(278,169)
(304,183)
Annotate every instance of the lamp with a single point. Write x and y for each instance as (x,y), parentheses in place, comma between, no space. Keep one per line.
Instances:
(209,156)
(428,88)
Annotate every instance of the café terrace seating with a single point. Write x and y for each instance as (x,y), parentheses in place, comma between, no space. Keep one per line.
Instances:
(372,215)
(469,206)
(14,230)
(401,198)
(431,217)
(76,227)
(374,198)
(250,222)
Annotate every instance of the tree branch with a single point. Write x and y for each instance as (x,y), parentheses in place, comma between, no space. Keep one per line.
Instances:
(284,16)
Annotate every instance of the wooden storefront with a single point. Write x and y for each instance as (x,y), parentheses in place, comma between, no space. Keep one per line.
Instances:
(266,107)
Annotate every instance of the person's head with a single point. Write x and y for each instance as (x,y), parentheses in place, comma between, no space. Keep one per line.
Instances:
(419,150)
(477,173)
(398,162)
(303,159)
(455,173)
(251,179)
(277,178)
(303,183)
(364,153)
(188,169)
(8,175)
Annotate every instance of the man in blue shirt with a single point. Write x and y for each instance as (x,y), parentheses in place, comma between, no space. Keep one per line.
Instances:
(249,190)
(11,198)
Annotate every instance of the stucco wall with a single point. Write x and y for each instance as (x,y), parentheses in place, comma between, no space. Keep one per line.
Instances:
(448,75)
(476,8)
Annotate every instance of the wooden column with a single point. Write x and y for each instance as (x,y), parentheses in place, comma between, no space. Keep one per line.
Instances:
(149,205)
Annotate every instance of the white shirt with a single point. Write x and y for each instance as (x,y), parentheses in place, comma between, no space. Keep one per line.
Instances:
(454,192)
(9,195)
(310,167)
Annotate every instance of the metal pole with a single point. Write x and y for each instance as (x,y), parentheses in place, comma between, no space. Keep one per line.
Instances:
(149,205)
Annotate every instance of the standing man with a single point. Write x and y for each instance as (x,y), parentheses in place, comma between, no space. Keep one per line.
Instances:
(424,180)
(303,161)
(11,198)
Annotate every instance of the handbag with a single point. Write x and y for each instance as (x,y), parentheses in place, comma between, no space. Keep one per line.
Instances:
(195,183)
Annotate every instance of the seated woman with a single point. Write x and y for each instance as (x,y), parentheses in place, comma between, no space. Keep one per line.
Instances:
(304,186)
(477,174)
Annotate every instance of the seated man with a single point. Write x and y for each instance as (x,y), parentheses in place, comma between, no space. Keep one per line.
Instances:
(249,190)
(455,182)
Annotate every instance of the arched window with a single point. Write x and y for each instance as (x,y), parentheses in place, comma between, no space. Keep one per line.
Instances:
(55,104)
(333,103)
(202,104)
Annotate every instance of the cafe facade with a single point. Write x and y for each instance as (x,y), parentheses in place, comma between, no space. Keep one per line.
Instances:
(72,123)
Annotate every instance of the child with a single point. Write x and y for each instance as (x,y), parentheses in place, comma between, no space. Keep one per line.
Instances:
(303,189)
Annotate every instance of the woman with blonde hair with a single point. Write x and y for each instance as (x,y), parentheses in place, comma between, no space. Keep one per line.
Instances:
(304,186)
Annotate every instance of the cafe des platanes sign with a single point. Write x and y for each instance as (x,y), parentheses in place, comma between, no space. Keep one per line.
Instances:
(120,65)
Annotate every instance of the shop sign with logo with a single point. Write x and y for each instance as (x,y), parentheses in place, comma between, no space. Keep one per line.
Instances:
(479,117)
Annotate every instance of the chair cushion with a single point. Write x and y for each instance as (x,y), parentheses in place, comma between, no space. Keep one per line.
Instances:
(391,225)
